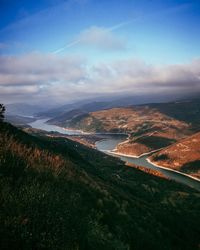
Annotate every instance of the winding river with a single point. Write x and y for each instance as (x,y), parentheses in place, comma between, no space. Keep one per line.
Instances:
(41,124)
(108,145)
(110,142)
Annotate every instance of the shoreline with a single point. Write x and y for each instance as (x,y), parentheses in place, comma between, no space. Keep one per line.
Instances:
(73,130)
(149,161)
(45,121)
(159,167)
(82,132)
(113,153)
(173,170)
(134,156)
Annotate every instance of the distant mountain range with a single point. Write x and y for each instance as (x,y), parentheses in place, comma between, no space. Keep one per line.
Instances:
(62,111)
(23,109)
(19,120)
(92,105)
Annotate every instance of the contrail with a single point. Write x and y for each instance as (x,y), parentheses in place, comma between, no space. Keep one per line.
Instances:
(122,24)
(118,26)
(73,43)
(68,45)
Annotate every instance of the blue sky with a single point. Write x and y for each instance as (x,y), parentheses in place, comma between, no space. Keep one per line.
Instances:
(153,35)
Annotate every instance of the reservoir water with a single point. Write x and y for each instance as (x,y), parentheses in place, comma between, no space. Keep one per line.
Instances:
(110,142)
(41,124)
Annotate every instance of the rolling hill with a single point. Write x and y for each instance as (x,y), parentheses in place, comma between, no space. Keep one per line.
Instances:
(183,156)
(185,110)
(150,127)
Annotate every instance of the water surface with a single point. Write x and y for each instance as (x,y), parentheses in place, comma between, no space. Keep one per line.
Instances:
(41,124)
(109,144)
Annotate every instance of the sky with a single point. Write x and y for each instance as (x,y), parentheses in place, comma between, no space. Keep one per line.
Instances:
(61,51)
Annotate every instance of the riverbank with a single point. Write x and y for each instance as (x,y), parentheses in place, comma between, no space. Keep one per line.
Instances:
(149,161)
(143,162)
(172,170)
(147,170)
(134,156)
(117,154)
(108,143)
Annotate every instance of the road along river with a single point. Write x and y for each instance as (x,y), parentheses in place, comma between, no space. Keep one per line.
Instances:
(109,144)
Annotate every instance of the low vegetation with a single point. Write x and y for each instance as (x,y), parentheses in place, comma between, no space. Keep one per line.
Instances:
(193,166)
(154,142)
(187,111)
(160,157)
(183,155)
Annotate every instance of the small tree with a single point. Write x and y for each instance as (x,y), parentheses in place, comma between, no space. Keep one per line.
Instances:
(2,112)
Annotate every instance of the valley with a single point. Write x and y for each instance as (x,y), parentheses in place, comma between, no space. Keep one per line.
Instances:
(132,155)
(99,125)
(108,144)
(57,193)
(149,128)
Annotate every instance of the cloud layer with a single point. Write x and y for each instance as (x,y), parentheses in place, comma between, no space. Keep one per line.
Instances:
(46,78)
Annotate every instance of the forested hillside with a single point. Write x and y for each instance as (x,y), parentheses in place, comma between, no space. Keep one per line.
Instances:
(58,194)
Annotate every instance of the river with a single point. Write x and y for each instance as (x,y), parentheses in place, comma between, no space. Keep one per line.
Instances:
(41,124)
(108,145)
(111,141)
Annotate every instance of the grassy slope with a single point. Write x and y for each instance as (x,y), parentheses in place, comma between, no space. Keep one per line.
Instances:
(57,194)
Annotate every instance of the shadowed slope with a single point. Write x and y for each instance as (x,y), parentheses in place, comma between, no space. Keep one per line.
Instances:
(57,194)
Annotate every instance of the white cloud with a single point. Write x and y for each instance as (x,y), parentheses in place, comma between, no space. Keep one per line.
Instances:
(32,74)
(136,77)
(47,77)
(36,68)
